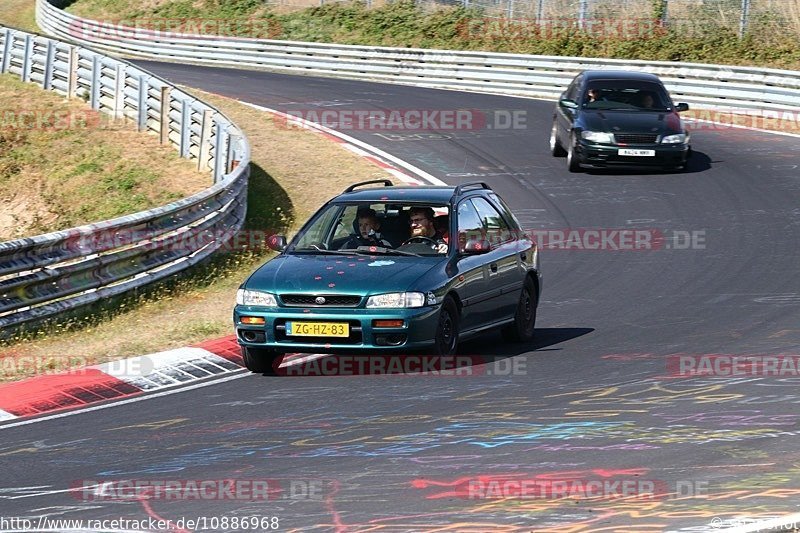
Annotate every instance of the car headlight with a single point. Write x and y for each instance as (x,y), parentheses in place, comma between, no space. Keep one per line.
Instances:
(597,137)
(396,299)
(678,138)
(245,297)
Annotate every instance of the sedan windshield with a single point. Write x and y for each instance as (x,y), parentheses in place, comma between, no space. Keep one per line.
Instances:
(622,95)
(376,229)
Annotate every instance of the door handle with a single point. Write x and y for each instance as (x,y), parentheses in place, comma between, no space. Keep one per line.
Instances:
(493,266)
(523,256)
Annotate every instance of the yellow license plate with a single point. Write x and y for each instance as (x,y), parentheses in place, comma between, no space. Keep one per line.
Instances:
(317,329)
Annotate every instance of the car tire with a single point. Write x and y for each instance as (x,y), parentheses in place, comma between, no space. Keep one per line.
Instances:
(261,360)
(446,341)
(572,155)
(524,325)
(556,150)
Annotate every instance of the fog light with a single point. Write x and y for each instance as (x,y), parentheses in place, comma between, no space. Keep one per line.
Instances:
(253,320)
(387,323)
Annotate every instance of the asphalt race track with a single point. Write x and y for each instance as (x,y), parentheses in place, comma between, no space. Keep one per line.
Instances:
(596,399)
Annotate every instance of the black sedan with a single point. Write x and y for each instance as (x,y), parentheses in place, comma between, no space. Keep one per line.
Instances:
(608,118)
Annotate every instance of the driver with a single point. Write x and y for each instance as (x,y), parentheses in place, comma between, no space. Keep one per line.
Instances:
(422,225)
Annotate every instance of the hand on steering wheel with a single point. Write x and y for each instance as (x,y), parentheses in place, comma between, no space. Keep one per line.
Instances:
(420,238)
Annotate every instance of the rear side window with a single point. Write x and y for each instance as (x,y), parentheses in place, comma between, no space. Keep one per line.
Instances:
(497,231)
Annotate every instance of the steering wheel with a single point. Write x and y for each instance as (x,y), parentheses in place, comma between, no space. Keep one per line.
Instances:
(418,239)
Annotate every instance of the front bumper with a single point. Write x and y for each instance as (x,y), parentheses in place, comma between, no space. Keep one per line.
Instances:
(418,331)
(606,155)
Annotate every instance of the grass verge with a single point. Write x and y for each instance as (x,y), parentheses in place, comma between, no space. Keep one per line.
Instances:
(294,172)
(20,14)
(63,165)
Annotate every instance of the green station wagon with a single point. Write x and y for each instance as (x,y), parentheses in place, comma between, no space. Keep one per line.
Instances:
(376,270)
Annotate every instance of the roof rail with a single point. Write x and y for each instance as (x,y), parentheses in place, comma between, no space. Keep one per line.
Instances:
(472,184)
(386,183)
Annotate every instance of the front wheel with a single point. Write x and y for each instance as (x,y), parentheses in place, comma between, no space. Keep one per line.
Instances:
(446,342)
(261,360)
(573,165)
(522,329)
(556,150)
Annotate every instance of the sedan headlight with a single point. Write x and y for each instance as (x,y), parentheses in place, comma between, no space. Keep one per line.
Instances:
(396,299)
(678,138)
(598,137)
(245,297)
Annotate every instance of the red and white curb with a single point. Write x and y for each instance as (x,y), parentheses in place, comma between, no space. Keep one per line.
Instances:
(125,378)
(395,166)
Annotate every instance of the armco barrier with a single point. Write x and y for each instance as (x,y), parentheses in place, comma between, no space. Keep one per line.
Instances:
(45,275)
(711,86)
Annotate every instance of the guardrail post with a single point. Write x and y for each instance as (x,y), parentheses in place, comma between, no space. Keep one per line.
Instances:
(72,83)
(220,162)
(165,109)
(8,39)
(47,83)
(142,122)
(26,58)
(186,123)
(744,18)
(583,8)
(119,91)
(205,139)
(94,99)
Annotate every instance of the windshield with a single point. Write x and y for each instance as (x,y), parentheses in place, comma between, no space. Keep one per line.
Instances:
(376,228)
(626,95)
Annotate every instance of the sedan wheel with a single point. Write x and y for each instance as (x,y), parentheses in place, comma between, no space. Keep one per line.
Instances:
(447,329)
(555,147)
(572,156)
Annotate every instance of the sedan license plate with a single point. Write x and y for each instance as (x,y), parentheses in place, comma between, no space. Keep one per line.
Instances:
(317,329)
(636,153)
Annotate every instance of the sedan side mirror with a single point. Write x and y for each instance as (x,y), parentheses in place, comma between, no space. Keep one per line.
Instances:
(682,107)
(566,102)
(277,242)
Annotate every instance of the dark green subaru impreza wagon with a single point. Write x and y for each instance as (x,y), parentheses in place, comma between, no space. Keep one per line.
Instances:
(392,267)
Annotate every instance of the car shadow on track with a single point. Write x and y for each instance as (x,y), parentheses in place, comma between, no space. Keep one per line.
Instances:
(474,354)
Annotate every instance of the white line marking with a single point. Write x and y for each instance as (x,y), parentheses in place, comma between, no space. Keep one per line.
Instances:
(179,388)
(6,416)
(433,180)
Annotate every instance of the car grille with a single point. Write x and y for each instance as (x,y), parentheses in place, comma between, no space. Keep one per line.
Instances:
(635,138)
(309,300)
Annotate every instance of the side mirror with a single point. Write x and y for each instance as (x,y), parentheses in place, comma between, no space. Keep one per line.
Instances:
(569,104)
(682,107)
(476,247)
(276,242)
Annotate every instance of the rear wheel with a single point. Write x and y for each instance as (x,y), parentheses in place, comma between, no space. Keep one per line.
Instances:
(261,360)
(522,329)
(572,155)
(555,146)
(446,342)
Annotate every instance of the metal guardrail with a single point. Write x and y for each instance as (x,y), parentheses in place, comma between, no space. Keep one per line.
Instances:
(45,275)
(708,86)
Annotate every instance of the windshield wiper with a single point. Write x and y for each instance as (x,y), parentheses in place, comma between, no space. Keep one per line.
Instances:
(317,250)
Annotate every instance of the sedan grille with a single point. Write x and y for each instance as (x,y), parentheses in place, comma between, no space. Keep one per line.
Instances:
(310,300)
(635,138)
